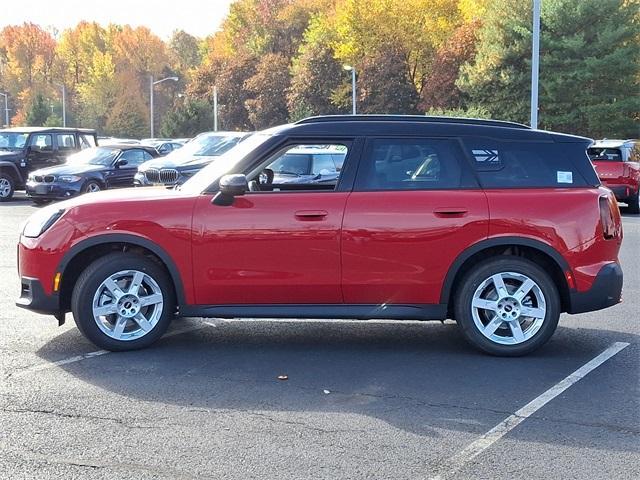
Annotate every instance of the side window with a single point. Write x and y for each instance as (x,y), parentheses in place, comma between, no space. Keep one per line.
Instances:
(501,164)
(410,164)
(146,156)
(86,141)
(42,142)
(134,157)
(298,167)
(66,141)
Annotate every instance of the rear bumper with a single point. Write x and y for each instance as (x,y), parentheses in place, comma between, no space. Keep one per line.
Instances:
(622,191)
(606,291)
(33,297)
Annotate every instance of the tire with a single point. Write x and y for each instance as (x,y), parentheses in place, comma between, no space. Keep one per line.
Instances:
(111,330)
(7,187)
(91,186)
(507,331)
(634,203)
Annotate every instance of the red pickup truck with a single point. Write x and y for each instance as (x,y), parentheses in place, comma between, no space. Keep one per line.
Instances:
(617,163)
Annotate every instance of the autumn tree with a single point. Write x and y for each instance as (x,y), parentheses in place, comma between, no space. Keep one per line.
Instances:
(184,51)
(440,89)
(396,93)
(267,88)
(316,76)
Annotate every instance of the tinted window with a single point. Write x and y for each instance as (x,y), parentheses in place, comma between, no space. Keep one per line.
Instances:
(87,141)
(410,164)
(66,141)
(527,164)
(41,142)
(606,154)
(134,157)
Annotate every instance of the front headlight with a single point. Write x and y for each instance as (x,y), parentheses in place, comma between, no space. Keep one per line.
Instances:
(69,178)
(41,221)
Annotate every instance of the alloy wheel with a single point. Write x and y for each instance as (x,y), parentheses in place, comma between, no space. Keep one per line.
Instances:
(5,188)
(127,305)
(508,308)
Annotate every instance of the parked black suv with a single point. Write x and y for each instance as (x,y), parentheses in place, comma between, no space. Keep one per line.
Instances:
(24,149)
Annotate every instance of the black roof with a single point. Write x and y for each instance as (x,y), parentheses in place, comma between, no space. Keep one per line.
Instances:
(418,125)
(410,118)
(47,130)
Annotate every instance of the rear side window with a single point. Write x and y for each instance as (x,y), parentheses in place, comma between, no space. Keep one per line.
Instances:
(66,141)
(410,164)
(501,164)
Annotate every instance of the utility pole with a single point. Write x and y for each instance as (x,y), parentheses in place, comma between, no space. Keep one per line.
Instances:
(151,85)
(352,69)
(215,108)
(6,109)
(535,63)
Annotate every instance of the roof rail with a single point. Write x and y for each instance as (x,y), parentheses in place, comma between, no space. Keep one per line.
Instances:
(409,118)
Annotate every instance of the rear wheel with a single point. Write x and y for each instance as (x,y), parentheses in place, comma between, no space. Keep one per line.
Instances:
(634,203)
(123,301)
(507,306)
(7,187)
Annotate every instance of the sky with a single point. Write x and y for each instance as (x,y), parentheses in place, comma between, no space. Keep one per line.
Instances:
(197,17)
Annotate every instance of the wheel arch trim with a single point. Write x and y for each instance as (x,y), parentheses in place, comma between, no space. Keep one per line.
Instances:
(137,240)
(460,260)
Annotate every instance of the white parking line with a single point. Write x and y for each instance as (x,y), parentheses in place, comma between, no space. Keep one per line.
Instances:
(459,460)
(97,353)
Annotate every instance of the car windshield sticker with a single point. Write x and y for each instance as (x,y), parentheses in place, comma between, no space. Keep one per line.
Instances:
(486,156)
(565,177)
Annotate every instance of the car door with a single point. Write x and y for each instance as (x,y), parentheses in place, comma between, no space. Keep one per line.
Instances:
(121,176)
(415,207)
(41,151)
(276,245)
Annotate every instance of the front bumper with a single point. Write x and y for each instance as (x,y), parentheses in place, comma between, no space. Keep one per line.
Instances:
(33,297)
(53,191)
(605,292)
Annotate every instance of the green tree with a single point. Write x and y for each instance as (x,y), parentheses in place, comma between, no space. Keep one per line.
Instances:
(190,117)
(589,70)
(38,111)
(316,76)
(184,51)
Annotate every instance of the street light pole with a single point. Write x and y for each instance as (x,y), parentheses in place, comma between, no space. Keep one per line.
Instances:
(352,69)
(151,85)
(6,109)
(64,104)
(215,108)
(535,63)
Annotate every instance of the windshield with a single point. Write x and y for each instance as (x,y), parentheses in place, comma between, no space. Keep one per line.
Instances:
(210,144)
(209,174)
(607,154)
(13,140)
(93,156)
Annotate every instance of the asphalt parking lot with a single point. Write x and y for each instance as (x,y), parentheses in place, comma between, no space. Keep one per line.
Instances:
(374,400)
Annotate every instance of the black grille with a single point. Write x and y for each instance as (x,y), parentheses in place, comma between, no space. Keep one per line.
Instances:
(166,176)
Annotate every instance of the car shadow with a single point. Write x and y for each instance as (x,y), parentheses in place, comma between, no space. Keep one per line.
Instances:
(420,377)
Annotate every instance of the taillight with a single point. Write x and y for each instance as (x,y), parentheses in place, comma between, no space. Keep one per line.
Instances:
(608,215)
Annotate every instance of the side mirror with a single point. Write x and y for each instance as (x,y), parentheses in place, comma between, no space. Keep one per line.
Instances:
(122,162)
(231,186)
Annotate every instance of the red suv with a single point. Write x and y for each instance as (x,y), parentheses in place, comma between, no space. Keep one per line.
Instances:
(618,165)
(490,223)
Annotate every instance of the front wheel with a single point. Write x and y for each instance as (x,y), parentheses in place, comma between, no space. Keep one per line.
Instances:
(507,306)
(7,187)
(123,301)
(92,186)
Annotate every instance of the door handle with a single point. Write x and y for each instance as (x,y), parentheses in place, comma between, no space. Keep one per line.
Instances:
(311,214)
(450,211)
